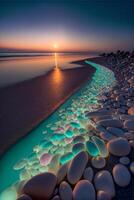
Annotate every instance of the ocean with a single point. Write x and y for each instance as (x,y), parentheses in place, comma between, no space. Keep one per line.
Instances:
(18,67)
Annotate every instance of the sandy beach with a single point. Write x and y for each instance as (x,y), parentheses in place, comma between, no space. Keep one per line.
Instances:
(24,105)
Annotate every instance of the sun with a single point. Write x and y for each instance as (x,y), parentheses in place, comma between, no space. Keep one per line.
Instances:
(55,46)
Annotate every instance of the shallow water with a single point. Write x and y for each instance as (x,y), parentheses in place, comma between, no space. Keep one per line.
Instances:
(21,67)
(54,136)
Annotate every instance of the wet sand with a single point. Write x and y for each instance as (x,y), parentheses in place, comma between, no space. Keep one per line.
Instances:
(99,60)
(24,105)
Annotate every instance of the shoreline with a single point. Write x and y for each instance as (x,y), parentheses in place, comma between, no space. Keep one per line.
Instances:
(10,93)
(36,137)
(108,127)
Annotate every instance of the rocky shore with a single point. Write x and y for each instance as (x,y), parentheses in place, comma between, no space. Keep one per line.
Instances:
(105,170)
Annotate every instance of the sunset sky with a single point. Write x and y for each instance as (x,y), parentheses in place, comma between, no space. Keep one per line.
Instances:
(67,25)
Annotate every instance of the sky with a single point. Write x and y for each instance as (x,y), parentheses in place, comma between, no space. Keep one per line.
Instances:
(66,25)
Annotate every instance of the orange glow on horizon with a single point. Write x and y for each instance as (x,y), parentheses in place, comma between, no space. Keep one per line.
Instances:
(40,42)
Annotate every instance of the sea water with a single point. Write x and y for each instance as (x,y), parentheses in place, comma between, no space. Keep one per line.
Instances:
(18,67)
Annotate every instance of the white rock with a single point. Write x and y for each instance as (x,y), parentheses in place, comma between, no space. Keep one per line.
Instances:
(98,162)
(65,191)
(88,174)
(132,167)
(119,147)
(124,160)
(104,182)
(121,175)
(84,190)
(76,167)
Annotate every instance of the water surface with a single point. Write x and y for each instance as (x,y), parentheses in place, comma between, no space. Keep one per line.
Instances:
(21,66)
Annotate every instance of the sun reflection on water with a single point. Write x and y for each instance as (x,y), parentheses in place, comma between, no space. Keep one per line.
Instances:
(56,61)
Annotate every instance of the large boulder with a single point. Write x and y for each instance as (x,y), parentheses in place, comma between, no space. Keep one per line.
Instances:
(121,175)
(104,182)
(65,191)
(76,167)
(84,190)
(119,147)
(40,186)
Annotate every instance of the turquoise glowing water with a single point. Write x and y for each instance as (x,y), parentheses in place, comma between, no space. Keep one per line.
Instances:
(55,134)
